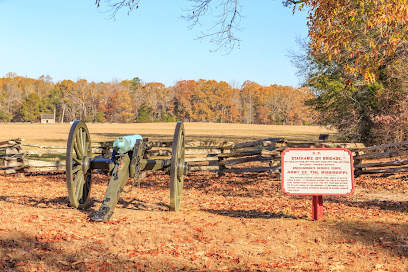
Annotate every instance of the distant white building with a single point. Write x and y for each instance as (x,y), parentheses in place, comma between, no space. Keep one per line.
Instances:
(47,118)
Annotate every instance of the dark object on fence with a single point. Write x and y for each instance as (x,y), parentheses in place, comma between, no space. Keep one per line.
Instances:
(323,137)
(128,160)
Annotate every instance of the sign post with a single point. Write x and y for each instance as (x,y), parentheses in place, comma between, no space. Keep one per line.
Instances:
(317,172)
(317,209)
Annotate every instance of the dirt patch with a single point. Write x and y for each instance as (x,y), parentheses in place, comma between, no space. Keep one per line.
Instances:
(364,195)
(233,223)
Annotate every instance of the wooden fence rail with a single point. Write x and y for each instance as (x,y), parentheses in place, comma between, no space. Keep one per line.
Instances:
(12,155)
(221,157)
(385,158)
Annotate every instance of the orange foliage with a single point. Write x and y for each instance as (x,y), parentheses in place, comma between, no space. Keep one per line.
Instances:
(188,100)
(362,35)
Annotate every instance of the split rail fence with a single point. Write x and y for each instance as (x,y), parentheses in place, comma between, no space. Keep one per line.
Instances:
(221,157)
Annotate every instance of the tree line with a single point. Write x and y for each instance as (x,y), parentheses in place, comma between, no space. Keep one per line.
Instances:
(24,99)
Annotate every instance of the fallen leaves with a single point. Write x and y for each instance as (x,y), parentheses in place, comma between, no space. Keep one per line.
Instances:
(236,222)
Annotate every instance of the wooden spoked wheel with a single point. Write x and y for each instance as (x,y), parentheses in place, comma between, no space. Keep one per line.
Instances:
(177,168)
(78,171)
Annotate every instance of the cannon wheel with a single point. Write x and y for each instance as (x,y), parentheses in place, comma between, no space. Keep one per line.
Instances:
(79,156)
(177,167)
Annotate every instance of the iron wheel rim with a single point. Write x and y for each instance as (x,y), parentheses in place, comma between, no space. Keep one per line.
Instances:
(78,174)
(177,162)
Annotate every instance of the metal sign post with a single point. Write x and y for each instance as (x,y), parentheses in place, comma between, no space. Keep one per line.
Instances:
(317,172)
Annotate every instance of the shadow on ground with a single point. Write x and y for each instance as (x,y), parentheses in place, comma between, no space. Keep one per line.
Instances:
(249,214)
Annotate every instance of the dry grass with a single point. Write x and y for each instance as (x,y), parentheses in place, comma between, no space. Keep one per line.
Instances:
(233,223)
(57,134)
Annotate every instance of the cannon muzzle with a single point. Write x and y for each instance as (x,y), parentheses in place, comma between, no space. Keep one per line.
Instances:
(125,144)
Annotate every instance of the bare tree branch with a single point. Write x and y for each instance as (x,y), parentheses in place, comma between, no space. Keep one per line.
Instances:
(222,33)
(226,13)
(287,3)
(228,18)
(114,5)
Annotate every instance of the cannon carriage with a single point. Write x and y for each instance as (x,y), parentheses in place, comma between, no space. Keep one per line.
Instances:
(128,160)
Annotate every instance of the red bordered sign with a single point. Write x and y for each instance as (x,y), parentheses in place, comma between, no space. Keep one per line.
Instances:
(317,171)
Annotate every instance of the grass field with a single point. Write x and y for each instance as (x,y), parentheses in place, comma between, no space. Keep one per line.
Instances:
(57,134)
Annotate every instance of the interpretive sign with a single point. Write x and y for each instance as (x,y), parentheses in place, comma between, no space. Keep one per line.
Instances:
(317,172)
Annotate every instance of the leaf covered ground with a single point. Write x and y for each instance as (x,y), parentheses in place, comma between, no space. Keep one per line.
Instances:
(233,223)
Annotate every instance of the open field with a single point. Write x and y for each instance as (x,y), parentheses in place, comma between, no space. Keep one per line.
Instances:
(57,134)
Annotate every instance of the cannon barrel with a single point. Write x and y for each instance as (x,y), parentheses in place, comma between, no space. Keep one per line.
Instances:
(125,144)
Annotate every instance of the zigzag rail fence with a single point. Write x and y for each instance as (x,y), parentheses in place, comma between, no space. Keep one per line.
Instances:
(221,157)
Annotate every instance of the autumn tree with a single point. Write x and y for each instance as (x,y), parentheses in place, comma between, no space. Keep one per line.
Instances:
(118,108)
(70,107)
(159,100)
(207,100)
(16,93)
(43,86)
(185,102)
(227,104)
(53,102)
(104,92)
(363,111)
(249,100)
(12,97)
(30,110)
(361,36)
(355,61)
(275,104)
(207,95)
(210,101)
(135,87)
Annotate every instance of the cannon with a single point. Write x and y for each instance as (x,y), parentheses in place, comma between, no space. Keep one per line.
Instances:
(128,160)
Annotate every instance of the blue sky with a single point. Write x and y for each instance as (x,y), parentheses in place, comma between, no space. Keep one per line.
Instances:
(74,39)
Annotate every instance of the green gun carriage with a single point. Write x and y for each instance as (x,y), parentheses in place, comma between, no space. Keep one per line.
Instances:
(128,160)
